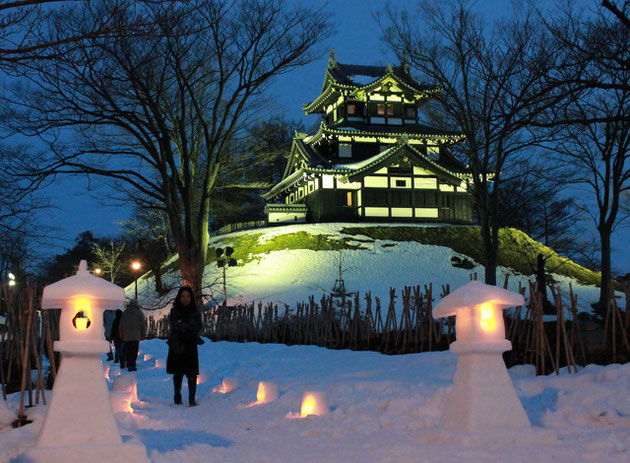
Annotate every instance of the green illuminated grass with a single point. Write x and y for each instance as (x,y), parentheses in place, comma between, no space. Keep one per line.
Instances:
(247,246)
(518,251)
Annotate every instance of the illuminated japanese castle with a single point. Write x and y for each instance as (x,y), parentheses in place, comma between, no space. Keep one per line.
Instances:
(371,159)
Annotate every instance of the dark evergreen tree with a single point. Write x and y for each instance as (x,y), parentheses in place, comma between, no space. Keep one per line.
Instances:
(259,160)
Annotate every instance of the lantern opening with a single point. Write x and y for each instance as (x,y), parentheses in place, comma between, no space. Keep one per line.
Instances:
(488,322)
(314,403)
(308,406)
(260,394)
(227,385)
(81,321)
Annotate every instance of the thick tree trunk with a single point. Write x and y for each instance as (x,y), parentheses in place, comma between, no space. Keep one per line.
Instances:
(191,264)
(192,252)
(604,291)
(157,273)
(490,237)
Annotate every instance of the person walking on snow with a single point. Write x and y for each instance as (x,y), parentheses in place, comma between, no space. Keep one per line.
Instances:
(183,358)
(132,329)
(119,346)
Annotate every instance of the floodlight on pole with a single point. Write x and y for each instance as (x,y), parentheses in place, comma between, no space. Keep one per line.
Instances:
(223,262)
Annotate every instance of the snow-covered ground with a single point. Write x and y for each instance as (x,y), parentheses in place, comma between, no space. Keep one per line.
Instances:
(382,408)
(291,276)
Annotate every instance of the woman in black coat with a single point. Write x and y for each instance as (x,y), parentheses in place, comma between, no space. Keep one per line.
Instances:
(183,358)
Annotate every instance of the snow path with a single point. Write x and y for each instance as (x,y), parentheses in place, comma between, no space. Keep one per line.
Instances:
(380,407)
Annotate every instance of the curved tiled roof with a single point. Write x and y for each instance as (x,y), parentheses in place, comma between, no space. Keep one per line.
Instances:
(414,131)
(346,77)
(345,74)
(350,170)
(402,144)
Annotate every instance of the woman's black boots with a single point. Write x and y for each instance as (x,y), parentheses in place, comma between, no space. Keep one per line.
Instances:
(192,390)
(177,385)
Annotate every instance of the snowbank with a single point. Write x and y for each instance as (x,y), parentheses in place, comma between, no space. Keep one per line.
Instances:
(381,406)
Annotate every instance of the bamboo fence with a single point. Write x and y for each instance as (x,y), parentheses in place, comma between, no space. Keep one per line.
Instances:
(404,324)
(27,337)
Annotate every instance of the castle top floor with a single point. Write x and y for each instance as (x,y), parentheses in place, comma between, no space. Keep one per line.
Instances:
(357,96)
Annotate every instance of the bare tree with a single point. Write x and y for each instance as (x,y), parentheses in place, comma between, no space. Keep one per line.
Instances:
(595,136)
(149,232)
(157,112)
(110,258)
(621,13)
(533,198)
(490,76)
(29,30)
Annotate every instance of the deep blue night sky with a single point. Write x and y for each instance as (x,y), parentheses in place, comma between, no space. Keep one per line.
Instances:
(357,40)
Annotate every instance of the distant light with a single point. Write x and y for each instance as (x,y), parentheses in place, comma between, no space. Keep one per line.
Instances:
(11,282)
(136,265)
(11,276)
(98,271)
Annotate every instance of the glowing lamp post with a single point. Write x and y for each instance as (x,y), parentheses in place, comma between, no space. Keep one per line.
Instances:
(135,265)
(483,400)
(79,424)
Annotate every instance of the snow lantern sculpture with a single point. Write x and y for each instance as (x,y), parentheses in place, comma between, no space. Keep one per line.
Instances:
(483,400)
(267,392)
(227,385)
(79,424)
(314,403)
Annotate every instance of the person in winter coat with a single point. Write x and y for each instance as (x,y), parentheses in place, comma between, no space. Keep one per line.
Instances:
(119,345)
(183,358)
(108,321)
(132,329)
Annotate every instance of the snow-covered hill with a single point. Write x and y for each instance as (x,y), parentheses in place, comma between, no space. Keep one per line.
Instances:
(290,275)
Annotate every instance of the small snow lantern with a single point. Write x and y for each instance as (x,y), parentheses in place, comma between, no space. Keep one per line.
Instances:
(267,392)
(483,405)
(79,424)
(227,385)
(314,403)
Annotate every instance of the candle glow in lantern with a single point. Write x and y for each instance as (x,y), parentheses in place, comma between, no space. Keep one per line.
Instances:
(267,392)
(79,424)
(483,401)
(314,403)
(227,385)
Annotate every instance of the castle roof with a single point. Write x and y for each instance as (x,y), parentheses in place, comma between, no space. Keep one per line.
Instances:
(352,171)
(352,79)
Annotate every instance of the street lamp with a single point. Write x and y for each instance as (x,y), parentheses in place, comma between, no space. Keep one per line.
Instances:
(135,265)
(11,279)
(98,271)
